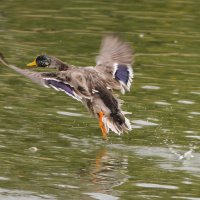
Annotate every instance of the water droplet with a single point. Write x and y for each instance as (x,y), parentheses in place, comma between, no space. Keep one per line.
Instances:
(33,149)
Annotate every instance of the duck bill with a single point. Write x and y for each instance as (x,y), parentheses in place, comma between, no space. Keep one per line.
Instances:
(32,64)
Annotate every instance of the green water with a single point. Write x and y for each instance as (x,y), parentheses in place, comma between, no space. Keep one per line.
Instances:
(50,147)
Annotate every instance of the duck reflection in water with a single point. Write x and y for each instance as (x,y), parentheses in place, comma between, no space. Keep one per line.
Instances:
(108,169)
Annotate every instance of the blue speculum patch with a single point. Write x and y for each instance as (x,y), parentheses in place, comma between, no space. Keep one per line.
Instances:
(65,87)
(122,73)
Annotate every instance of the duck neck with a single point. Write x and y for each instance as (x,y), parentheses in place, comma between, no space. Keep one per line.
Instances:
(63,67)
(60,65)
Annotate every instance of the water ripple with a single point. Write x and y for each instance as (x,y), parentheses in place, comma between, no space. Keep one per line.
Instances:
(144,123)
(186,102)
(69,114)
(101,196)
(153,185)
(162,103)
(150,87)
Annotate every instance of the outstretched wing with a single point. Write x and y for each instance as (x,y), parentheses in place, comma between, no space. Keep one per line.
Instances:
(114,50)
(61,86)
(115,62)
(64,81)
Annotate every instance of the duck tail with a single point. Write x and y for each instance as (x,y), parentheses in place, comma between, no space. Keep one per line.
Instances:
(117,122)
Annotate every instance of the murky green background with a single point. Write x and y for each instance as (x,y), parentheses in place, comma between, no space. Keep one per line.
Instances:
(50,147)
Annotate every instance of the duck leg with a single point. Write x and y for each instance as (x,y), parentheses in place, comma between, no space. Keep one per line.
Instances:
(103,129)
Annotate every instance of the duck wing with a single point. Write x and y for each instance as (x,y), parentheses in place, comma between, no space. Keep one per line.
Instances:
(73,83)
(115,61)
(34,76)
(44,79)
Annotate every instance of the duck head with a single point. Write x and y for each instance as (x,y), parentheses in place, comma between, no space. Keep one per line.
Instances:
(50,62)
(41,61)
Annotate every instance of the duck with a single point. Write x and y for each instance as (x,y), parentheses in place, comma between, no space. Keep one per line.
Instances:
(93,86)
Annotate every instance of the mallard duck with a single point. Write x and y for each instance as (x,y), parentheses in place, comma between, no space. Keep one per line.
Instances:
(93,86)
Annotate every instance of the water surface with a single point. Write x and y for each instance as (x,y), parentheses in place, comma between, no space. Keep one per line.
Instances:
(50,147)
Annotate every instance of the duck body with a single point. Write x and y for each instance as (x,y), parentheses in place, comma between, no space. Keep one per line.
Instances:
(94,90)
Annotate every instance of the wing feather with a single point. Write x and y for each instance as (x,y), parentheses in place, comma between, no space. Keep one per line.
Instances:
(114,62)
(62,86)
(114,50)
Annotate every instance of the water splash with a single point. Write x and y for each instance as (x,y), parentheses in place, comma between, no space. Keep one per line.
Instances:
(185,155)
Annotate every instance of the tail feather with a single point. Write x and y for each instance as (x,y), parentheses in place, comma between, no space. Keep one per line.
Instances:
(117,123)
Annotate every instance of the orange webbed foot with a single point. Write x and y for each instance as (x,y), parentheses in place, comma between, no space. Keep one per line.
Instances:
(103,129)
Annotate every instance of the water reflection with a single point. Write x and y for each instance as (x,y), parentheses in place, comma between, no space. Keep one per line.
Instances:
(6,194)
(108,169)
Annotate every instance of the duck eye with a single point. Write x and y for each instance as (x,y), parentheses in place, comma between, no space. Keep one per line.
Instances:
(44,63)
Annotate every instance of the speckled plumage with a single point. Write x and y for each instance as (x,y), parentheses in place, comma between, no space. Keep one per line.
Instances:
(94,86)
